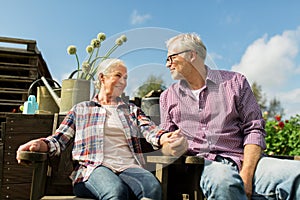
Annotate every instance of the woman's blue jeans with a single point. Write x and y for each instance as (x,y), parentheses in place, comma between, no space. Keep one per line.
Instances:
(273,179)
(131,184)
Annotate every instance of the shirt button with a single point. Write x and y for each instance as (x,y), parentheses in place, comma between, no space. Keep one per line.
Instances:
(203,128)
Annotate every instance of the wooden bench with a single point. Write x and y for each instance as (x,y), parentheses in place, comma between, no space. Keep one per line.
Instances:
(50,179)
(179,176)
(186,168)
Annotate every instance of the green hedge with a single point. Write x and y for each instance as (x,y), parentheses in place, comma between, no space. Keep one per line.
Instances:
(283,136)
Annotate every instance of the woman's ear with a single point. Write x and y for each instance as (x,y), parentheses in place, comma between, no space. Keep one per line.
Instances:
(101,77)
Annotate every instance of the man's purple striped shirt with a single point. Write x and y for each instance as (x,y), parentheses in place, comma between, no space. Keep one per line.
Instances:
(224,119)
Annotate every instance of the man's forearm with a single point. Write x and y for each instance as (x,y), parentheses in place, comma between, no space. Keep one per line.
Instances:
(252,154)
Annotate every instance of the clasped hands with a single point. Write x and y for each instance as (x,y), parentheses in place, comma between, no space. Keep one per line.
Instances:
(174,143)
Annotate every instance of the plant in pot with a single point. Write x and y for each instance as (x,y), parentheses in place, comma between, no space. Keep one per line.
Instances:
(75,90)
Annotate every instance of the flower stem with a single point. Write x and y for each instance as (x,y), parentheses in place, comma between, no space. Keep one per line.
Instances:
(93,62)
(78,65)
(94,70)
(111,51)
(91,54)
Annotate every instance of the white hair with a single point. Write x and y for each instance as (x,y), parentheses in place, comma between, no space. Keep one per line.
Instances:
(191,41)
(105,67)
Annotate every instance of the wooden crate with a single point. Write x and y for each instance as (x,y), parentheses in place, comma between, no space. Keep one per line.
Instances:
(17,129)
(20,65)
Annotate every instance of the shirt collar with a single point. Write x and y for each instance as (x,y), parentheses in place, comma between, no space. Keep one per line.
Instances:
(119,100)
(213,76)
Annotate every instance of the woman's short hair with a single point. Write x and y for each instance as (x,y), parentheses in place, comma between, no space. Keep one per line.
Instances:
(107,66)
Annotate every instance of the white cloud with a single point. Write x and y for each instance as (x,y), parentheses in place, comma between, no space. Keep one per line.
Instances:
(292,96)
(136,18)
(272,63)
(291,101)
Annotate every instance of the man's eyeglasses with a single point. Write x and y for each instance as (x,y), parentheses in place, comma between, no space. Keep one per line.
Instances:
(170,57)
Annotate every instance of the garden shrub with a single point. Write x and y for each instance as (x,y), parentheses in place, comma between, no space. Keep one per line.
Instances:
(283,137)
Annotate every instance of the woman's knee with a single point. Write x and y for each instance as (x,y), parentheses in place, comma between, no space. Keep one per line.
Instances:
(152,188)
(143,183)
(113,191)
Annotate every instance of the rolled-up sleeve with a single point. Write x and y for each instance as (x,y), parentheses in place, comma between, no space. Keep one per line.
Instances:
(253,124)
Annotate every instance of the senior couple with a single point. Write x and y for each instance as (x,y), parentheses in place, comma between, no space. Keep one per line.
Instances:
(208,113)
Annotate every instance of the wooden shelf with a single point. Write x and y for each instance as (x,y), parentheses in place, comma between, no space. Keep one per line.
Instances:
(21,64)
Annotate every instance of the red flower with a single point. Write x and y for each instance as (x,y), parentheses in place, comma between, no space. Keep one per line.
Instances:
(278,117)
(281,124)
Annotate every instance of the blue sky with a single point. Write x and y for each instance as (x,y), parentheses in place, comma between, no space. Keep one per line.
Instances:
(259,38)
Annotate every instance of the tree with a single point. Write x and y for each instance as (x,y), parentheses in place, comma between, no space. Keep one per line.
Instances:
(260,98)
(153,83)
(275,108)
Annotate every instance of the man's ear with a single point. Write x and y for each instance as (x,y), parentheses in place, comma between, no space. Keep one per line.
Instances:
(193,56)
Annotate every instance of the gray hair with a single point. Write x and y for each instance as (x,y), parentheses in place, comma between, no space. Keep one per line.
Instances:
(190,41)
(105,67)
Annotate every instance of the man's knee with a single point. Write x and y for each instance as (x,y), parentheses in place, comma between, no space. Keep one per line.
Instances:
(218,179)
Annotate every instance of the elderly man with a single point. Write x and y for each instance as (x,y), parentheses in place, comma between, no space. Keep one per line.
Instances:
(218,114)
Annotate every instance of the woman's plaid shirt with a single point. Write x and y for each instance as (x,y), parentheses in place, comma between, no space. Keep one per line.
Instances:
(83,127)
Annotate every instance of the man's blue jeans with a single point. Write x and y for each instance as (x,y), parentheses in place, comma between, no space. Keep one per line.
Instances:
(273,179)
(131,184)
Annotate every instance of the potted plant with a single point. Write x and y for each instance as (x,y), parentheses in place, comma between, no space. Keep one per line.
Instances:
(75,90)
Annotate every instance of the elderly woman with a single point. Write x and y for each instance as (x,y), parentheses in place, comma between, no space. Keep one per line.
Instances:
(106,133)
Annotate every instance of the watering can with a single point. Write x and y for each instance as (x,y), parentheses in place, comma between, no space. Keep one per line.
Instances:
(44,99)
(73,91)
(51,91)
(30,106)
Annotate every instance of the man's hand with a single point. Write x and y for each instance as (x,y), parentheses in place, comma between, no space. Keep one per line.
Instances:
(247,179)
(252,154)
(38,145)
(174,143)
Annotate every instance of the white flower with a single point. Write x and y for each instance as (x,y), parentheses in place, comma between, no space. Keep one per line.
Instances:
(88,67)
(101,36)
(123,38)
(89,49)
(72,50)
(119,41)
(95,43)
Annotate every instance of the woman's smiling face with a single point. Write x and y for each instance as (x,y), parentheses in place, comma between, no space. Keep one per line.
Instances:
(115,81)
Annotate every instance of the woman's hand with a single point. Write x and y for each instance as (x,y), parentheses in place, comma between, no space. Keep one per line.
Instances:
(38,145)
(174,143)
